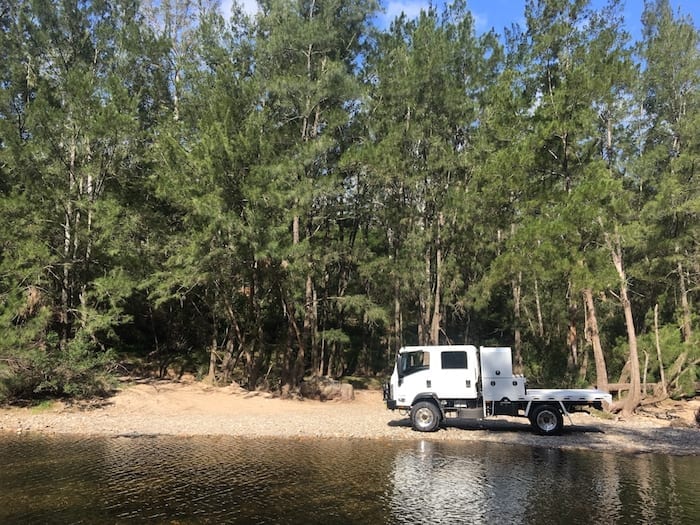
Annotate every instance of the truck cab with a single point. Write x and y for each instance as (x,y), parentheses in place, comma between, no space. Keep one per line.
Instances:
(437,372)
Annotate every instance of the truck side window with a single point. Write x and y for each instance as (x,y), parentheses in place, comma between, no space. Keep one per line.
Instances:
(412,362)
(453,360)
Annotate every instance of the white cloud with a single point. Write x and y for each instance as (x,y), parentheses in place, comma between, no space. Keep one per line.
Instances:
(481,22)
(250,7)
(411,8)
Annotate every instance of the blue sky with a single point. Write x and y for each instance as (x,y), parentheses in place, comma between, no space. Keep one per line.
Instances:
(498,14)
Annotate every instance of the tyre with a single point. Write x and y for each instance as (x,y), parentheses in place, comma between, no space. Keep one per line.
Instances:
(425,416)
(547,420)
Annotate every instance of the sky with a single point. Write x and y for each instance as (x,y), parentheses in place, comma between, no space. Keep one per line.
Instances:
(498,14)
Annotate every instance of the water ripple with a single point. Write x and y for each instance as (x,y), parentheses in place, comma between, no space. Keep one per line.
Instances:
(142,479)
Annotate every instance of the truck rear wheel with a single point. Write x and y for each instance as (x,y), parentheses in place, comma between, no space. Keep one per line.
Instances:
(547,420)
(425,416)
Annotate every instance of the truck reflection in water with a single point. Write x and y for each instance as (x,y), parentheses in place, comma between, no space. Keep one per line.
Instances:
(432,485)
(442,482)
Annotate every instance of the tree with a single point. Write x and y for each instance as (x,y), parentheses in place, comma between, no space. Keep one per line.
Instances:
(566,79)
(71,153)
(306,55)
(668,150)
(216,262)
(425,78)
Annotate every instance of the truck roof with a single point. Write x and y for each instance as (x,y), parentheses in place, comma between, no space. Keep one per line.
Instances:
(435,348)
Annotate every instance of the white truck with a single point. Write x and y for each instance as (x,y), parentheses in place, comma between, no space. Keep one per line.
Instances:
(436,383)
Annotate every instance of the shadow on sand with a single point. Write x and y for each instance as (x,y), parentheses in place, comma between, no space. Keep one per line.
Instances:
(497,425)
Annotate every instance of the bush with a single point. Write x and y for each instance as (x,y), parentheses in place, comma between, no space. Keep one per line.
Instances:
(75,372)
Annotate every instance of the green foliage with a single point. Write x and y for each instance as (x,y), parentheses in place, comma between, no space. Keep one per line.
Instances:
(33,365)
(671,347)
(71,139)
(76,372)
(301,193)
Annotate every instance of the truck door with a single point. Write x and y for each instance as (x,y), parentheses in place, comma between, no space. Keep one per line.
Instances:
(457,376)
(412,376)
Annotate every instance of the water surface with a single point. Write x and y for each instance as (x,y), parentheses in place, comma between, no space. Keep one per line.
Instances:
(46,479)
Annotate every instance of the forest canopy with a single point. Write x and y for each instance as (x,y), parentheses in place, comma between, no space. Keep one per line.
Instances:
(264,198)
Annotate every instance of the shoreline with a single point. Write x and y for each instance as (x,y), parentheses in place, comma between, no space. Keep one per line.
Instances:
(150,408)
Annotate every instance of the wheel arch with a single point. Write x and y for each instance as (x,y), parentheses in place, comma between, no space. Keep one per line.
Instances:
(429,396)
(532,406)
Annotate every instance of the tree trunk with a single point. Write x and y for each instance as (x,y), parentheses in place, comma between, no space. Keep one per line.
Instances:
(685,305)
(436,320)
(308,133)
(297,368)
(227,362)
(424,302)
(540,323)
(64,316)
(516,285)
(572,331)
(676,369)
(310,328)
(662,373)
(293,362)
(253,359)
(583,364)
(601,371)
(69,240)
(213,357)
(398,340)
(90,192)
(646,370)
(634,397)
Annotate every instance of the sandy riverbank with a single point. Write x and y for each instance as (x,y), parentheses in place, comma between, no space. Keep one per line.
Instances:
(187,408)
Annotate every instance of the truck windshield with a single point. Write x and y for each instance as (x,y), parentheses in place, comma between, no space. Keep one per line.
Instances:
(410,362)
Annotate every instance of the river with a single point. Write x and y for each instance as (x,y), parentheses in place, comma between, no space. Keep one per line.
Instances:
(59,479)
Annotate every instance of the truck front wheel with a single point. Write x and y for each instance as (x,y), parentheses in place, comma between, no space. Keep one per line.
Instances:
(547,420)
(425,416)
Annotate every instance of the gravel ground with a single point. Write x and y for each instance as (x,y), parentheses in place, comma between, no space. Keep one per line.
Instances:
(190,408)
